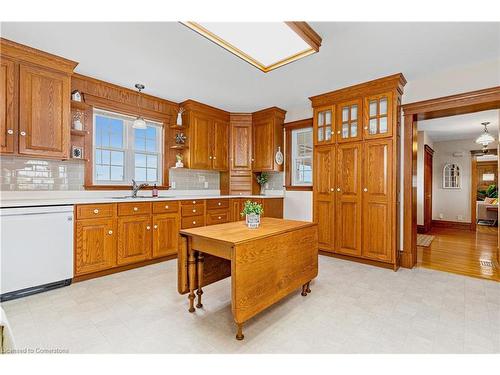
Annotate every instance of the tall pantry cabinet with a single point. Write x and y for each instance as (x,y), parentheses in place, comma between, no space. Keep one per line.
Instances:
(356,189)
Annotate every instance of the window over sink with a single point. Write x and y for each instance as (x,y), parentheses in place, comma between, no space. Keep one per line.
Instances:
(122,153)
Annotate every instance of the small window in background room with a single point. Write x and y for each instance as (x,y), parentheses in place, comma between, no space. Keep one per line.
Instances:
(122,153)
(301,163)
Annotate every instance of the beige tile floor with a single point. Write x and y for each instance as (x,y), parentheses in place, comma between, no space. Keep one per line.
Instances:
(353,308)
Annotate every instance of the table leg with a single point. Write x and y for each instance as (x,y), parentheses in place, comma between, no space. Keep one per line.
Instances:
(304,293)
(308,290)
(191,275)
(240,335)
(199,292)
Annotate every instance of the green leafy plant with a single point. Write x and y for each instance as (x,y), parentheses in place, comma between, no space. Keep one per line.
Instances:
(490,192)
(263,178)
(252,208)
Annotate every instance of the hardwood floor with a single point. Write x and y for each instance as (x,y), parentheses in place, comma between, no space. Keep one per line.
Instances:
(461,251)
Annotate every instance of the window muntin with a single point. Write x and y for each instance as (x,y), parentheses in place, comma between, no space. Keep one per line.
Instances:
(301,164)
(122,153)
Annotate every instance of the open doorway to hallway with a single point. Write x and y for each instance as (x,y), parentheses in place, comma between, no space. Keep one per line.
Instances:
(457,195)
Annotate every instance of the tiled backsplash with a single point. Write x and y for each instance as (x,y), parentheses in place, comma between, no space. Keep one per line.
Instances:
(18,173)
(276,181)
(191,179)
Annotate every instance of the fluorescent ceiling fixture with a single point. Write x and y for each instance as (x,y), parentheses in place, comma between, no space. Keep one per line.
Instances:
(266,45)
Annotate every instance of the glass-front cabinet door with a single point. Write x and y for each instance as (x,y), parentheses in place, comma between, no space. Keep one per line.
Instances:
(348,122)
(378,116)
(323,125)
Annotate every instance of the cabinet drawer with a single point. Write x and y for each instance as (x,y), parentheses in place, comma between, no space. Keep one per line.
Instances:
(139,208)
(191,202)
(214,204)
(238,191)
(218,217)
(94,211)
(192,222)
(165,207)
(193,210)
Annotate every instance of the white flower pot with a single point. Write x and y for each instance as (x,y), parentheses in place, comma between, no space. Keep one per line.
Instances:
(253,221)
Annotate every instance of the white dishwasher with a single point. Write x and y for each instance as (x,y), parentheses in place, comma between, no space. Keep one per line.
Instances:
(36,252)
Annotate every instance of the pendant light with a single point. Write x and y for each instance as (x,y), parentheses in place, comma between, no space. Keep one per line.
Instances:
(485,138)
(139,122)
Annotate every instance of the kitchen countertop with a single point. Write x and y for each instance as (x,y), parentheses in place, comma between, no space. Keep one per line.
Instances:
(11,203)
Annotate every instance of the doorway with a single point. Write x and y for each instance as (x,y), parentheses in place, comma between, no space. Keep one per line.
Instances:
(470,102)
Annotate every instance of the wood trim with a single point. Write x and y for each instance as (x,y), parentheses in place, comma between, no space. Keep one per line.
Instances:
(289,127)
(450,224)
(428,149)
(307,34)
(276,111)
(35,56)
(375,86)
(468,102)
(193,105)
(473,192)
(473,101)
(122,268)
(370,262)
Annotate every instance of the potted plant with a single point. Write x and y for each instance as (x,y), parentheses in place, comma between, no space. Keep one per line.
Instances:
(252,212)
(262,179)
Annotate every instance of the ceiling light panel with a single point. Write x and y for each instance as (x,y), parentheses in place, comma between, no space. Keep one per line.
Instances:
(266,45)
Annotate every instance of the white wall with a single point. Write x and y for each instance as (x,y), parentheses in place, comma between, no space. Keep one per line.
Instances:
(423,139)
(298,205)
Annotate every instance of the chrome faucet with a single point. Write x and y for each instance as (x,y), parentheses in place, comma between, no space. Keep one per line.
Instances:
(136,188)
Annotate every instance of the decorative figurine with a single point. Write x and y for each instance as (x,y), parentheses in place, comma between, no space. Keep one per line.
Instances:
(179,163)
(77,120)
(180,138)
(76,96)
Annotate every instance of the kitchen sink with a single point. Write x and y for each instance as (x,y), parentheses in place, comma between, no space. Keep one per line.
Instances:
(140,197)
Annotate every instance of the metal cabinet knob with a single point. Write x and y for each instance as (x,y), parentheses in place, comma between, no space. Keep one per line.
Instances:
(110,232)
(365,190)
(10,131)
(366,127)
(218,204)
(148,227)
(338,131)
(23,133)
(194,210)
(194,222)
(215,157)
(219,218)
(210,157)
(194,202)
(331,189)
(96,211)
(166,207)
(338,189)
(136,209)
(155,226)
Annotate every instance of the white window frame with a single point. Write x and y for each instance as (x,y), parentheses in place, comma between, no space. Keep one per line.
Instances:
(128,149)
(294,156)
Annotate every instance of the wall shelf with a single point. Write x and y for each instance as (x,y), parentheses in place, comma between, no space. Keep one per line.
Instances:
(80,105)
(79,133)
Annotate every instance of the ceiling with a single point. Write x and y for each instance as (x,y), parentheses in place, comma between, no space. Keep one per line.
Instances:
(460,127)
(177,63)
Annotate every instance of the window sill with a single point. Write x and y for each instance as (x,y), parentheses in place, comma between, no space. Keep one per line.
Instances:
(298,188)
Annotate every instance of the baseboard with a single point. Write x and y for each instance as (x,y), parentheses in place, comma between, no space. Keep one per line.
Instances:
(370,262)
(122,268)
(420,229)
(451,224)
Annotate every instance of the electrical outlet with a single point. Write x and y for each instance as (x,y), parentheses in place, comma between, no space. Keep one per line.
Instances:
(172,184)
(441,216)
(460,217)
(205,184)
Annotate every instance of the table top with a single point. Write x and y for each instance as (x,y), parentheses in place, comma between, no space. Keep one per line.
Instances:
(238,232)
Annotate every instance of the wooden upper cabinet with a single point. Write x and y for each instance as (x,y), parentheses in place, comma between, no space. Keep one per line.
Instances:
(220,145)
(241,143)
(95,246)
(44,112)
(134,239)
(207,137)
(267,139)
(199,147)
(349,121)
(348,199)
(378,218)
(165,234)
(378,116)
(8,121)
(324,125)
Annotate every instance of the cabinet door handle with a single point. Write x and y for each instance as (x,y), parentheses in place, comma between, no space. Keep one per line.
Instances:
(96,211)
(215,158)
(194,210)
(365,190)
(210,157)
(331,189)
(194,202)
(338,131)
(219,218)
(338,189)
(218,204)
(148,227)
(366,127)
(110,232)
(166,207)
(194,222)
(155,226)
(10,131)
(23,133)
(136,209)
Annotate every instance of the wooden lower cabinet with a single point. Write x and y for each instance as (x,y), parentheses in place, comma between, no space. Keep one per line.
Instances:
(134,239)
(165,235)
(95,246)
